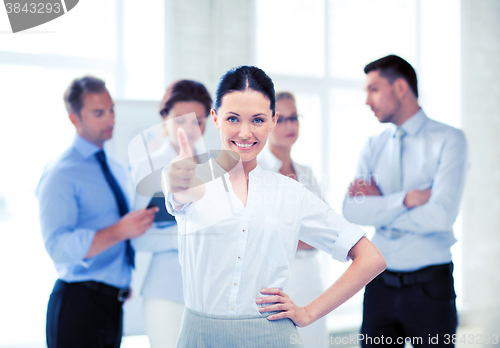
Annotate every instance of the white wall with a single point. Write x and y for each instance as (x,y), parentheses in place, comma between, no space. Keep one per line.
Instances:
(481,121)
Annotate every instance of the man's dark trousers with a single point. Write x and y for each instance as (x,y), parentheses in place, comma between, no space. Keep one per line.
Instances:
(421,311)
(80,317)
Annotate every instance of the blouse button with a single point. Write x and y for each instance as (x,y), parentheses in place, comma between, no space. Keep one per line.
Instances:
(243,230)
(234,283)
(232,308)
(239,257)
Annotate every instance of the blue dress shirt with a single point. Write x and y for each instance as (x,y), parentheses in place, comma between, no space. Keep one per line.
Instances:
(75,202)
(434,155)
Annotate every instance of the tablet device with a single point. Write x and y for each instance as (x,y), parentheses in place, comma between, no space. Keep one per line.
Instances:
(161,215)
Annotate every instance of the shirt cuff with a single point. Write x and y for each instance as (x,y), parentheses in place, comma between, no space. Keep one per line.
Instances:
(87,238)
(345,241)
(170,204)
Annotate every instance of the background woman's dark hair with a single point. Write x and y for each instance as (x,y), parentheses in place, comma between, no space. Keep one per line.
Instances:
(393,67)
(79,87)
(185,91)
(243,78)
(281,95)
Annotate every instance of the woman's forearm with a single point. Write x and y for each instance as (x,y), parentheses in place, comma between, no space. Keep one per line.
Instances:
(367,263)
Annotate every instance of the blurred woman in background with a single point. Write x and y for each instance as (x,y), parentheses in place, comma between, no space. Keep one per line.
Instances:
(305,280)
(162,289)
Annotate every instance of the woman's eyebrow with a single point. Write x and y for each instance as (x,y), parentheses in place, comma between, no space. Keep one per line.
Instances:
(236,114)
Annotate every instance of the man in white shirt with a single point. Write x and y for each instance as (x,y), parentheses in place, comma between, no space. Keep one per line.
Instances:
(409,183)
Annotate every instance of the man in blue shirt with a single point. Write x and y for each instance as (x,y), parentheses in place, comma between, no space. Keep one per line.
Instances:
(86,227)
(409,183)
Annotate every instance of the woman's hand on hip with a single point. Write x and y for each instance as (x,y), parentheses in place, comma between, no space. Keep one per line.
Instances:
(279,301)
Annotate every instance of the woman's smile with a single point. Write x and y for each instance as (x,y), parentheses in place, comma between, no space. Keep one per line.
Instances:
(244,145)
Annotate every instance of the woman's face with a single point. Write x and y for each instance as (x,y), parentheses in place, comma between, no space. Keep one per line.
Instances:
(244,120)
(193,128)
(287,131)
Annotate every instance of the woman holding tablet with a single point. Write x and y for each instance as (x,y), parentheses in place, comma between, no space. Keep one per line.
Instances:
(234,268)
(305,280)
(162,288)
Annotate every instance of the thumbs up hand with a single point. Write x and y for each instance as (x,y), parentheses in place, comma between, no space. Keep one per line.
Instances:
(179,178)
(184,148)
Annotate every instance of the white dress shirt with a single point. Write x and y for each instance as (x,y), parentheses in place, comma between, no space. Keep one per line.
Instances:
(268,161)
(228,252)
(305,281)
(434,155)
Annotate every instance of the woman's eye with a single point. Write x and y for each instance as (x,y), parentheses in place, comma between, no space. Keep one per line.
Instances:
(232,119)
(258,120)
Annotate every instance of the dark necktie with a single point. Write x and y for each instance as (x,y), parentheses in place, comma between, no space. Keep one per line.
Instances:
(120,198)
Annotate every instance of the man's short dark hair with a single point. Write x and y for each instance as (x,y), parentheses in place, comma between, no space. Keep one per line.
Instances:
(393,67)
(79,87)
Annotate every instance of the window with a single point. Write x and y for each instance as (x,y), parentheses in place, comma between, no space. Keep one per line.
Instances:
(290,37)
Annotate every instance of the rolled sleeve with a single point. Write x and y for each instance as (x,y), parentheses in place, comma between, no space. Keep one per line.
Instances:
(64,241)
(70,246)
(345,241)
(324,229)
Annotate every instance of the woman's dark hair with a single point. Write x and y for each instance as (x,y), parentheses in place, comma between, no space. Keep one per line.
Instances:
(243,78)
(393,67)
(185,91)
(74,94)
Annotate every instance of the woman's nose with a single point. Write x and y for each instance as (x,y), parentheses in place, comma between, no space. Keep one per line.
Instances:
(245,131)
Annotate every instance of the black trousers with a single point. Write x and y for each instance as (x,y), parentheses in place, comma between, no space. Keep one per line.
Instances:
(424,312)
(79,317)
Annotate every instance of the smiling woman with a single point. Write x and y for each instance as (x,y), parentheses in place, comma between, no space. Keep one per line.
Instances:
(234,269)
(244,129)
(247,115)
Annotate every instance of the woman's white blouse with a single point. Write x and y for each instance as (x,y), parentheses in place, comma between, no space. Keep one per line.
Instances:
(229,252)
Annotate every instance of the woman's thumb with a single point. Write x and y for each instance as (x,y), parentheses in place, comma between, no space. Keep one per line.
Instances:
(184,148)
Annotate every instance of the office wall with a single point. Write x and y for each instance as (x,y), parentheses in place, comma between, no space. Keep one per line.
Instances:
(481,122)
(206,38)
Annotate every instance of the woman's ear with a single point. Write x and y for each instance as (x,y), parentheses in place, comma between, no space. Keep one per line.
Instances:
(214,117)
(274,120)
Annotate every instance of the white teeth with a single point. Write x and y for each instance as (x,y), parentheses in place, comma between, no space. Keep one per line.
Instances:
(244,145)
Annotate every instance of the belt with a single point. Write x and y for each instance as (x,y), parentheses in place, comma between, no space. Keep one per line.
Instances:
(108,290)
(427,274)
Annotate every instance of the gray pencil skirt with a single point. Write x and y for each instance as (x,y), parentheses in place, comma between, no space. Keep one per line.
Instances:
(201,330)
